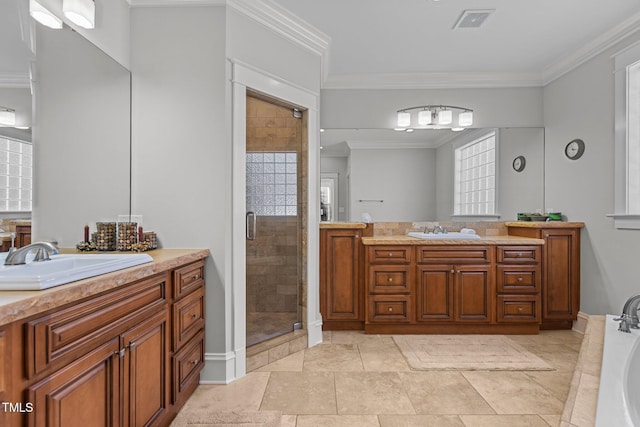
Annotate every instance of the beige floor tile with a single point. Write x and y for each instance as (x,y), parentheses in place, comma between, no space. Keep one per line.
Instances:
(552,420)
(514,393)
(291,363)
(288,421)
(561,362)
(503,421)
(382,356)
(326,336)
(338,421)
(420,421)
(371,393)
(556,383)
(333,358)
(295,393)
(357,337)
(244,394)
(584,411)
(443,392)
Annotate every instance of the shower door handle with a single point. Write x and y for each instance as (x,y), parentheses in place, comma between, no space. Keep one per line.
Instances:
(251,231)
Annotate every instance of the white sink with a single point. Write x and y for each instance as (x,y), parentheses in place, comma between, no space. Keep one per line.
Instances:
(442,236)
(62,269)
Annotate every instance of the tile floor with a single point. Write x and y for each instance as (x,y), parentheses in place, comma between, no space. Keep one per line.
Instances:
(357,380)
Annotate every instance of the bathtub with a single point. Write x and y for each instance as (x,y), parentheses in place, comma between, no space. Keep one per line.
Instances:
(619,392)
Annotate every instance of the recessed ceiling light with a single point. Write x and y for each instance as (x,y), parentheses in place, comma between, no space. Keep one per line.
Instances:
(473,18)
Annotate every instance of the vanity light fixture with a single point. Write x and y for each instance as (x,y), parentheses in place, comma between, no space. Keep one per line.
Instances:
(435,117)
(44,15)
(80,12)
(7,117)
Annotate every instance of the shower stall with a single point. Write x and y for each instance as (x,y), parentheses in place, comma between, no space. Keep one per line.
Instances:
(275,219)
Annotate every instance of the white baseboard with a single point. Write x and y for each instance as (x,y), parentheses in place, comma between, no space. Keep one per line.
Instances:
(219,368)
(314,333)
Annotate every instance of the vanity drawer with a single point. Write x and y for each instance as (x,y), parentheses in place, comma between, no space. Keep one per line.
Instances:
(518,279)
(187,278)
(518,254)
(518,308)
(393,279)
(454,254)
(187,364)
(188,317)
(389,254)
(390,308)
(64,335)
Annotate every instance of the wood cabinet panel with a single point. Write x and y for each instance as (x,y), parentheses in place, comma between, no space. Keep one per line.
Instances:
(65,334)
(518,308)
(343,292)
(390,308)
(454,254)
(23,235)
(393,279)
(474,293)
(561,294)
(434,293)
(389,254)
(85,393)
(187,317)
(186,367)
(187,279)
(518,254)
(518,279)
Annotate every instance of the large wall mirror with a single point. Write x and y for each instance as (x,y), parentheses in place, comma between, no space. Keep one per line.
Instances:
(400,176)
(80,132)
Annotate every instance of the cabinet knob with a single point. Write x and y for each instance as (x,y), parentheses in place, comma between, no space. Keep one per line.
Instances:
(390,279)
(458,272)
(453,271)
(132,344)
(195,362)
(390,254)
(546,236)
(194,316)
(390,309)
(519,279)
(195,277)
(519,309)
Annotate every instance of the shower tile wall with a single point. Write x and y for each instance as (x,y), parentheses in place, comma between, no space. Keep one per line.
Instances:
(273,258)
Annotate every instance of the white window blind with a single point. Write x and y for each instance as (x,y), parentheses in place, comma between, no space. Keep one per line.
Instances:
(475,177)
(16,166)
(272,183)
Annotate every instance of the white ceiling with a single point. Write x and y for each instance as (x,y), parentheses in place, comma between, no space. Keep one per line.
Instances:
(525,38)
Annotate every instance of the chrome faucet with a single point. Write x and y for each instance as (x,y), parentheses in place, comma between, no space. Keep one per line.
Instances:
(439,229)
(629,317)
(44,249)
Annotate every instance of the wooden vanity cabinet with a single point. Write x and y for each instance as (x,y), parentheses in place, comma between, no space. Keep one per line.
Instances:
(560,271)
(23,235)
(390,284)
(518,284)
(341,278)
(130,356)
(455,283)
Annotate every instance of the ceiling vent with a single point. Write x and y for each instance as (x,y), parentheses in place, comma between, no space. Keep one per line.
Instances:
(473,18)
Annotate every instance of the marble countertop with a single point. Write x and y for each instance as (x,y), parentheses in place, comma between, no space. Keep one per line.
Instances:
(346,225)
(487,240)
(16,305)
(545,224)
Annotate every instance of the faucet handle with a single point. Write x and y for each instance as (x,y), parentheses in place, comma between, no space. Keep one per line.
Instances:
(41,255)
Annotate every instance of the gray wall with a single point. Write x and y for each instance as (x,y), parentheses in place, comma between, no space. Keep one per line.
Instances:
(580,104)
(181,158)
(404,179)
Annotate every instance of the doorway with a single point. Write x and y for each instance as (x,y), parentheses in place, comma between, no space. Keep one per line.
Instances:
(276,155)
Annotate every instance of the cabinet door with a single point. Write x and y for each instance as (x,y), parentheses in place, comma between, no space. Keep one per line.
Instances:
(342,275)
(473,293)
(146,379)
(434,293)
(561,291)
(85,393)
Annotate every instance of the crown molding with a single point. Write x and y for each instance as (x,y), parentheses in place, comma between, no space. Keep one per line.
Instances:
(598,45)
(291,27)
(14,80)
(174,3)
(453,80)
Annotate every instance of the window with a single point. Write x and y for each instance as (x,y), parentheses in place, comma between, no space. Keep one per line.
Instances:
(475,177)
(627,138)
(15,175)
(272,183)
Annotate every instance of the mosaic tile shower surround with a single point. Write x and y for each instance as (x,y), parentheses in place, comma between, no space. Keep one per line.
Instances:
(483,228)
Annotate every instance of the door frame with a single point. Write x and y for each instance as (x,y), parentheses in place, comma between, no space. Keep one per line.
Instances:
(245,76)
